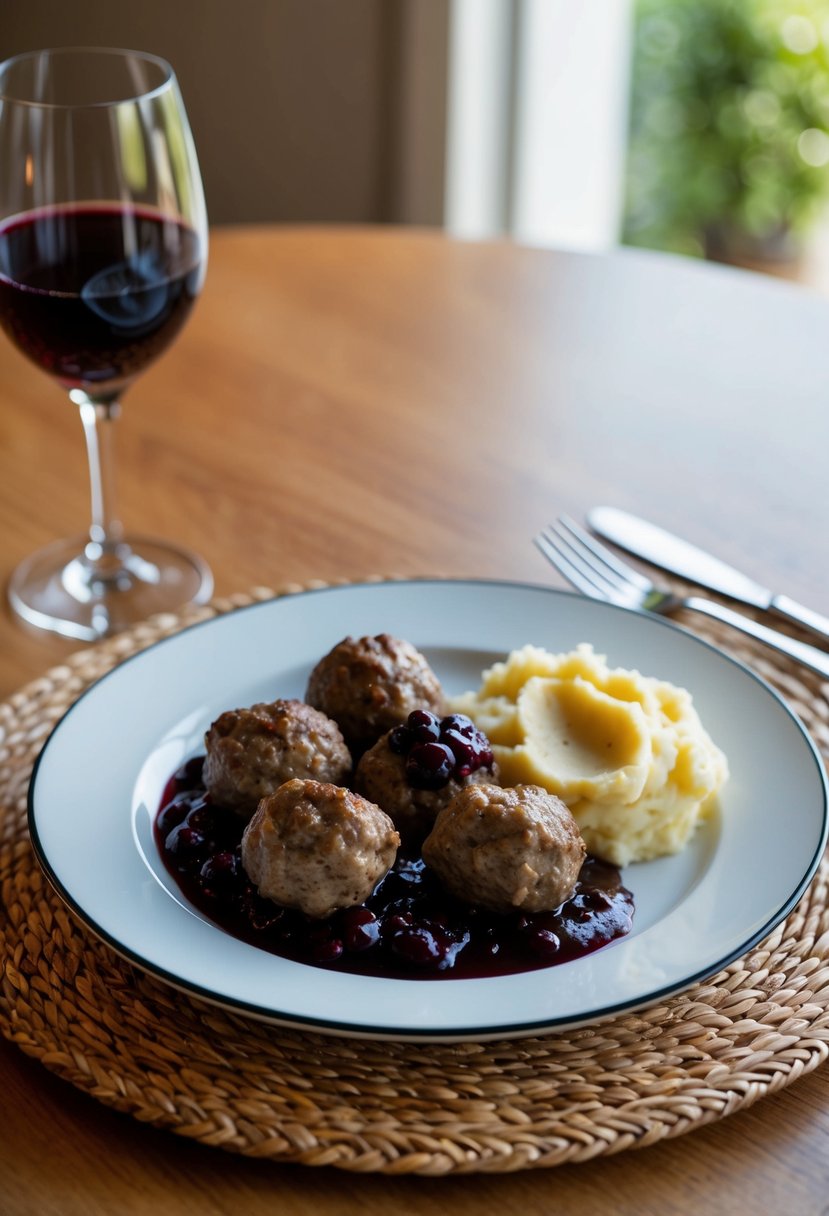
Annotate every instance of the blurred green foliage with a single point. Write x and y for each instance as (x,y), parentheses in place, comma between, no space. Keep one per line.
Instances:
(729,123)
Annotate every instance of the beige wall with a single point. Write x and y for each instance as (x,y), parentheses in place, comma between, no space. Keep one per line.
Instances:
(301,109)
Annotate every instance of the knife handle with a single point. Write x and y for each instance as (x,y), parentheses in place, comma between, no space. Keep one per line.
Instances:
(792,611)
(809,656)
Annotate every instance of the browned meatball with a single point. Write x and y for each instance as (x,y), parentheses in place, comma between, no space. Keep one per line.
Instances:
(381,777)
(251,752)
(318,847)
(508,848)
(369,685)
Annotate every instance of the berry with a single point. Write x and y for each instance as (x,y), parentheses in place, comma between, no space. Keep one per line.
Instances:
(189,776)
(421,946)
(361,929)
(469,745)
(596,901)
(220,873)
(201,817)
(429,765)
(172,815)
(327,951)
(424,727)
(400,740)
(396,922)
(185,843)
(581,915)
(543,942)
(460,723)
(464,750)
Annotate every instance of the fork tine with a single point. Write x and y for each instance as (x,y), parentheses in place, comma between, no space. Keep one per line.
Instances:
(611,587)
(593,574)
(607,582)
(611,565)
(581,578)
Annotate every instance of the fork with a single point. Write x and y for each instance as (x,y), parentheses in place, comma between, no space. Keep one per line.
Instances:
(596,572)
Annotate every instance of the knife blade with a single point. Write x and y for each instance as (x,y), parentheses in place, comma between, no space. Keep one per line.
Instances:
(677,556)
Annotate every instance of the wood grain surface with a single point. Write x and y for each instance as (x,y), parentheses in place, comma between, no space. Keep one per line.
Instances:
(351,402)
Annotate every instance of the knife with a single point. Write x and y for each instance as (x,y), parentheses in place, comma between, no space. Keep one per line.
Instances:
(677,556)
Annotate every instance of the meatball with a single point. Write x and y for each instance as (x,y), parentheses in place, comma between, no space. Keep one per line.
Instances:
(507,848)
(318,847)
(251,752)
(381,776)
(370,685)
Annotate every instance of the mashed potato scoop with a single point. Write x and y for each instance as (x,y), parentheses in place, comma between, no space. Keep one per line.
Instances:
(627,753)
(581,741)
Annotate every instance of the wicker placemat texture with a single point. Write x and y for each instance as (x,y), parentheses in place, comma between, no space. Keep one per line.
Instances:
(183,1064)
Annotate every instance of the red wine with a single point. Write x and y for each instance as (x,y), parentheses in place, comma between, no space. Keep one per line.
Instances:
(92,294)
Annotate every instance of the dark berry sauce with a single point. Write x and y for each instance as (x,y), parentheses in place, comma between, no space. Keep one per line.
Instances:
(409,928)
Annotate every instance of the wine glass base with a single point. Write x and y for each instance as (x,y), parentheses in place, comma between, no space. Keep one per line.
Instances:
(58,588)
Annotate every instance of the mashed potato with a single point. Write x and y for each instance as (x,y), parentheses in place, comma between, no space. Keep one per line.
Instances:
(627,753)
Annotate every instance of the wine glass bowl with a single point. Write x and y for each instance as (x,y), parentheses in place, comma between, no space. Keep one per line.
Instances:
(103,252)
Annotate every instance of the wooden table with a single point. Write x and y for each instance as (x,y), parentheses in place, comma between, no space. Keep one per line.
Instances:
(355,402)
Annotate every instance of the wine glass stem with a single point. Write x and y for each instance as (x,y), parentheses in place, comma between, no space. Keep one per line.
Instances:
(105,547)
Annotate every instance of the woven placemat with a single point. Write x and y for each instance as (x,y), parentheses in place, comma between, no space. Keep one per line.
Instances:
(183,1064)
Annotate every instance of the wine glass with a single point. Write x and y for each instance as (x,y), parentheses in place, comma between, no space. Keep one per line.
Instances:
(103,250)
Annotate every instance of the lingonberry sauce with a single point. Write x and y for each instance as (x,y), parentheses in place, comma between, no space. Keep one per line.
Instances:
(409,928)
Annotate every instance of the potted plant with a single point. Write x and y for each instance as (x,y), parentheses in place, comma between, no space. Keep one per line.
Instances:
(728,153)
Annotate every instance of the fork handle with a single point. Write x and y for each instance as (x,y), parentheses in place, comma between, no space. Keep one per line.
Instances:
(809,656)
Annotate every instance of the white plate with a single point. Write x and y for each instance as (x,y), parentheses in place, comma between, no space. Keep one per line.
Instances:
(99,778)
